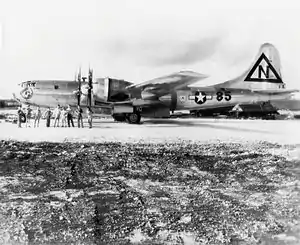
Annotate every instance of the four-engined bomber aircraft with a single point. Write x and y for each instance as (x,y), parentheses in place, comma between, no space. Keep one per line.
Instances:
(261,83)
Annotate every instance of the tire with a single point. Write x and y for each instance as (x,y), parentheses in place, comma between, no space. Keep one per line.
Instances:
(134,118)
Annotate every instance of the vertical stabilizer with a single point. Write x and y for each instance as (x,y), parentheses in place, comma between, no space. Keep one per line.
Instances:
(263,74)
(267,67)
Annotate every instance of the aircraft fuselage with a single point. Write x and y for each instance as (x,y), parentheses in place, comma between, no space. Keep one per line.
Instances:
(191,100)
(50,93)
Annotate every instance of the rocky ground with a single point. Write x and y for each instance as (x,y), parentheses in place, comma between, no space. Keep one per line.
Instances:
(172,193)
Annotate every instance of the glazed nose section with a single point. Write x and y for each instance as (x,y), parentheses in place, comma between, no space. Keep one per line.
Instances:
(22,93)
(26,93)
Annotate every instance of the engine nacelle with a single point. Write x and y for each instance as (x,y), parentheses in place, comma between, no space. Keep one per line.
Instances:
(170,100)
(148,96)
(111,90)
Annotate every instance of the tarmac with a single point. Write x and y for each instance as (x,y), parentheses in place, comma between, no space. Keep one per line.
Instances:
(198,130)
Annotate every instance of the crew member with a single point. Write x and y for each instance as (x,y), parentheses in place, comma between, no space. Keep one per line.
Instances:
(48,115)
(79,116)
(63,117)
(28,116)
(20,116)
(37,117)
(56,116)
(89,113)
(70,116)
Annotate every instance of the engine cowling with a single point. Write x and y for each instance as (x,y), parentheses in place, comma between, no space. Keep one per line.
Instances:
(170,100)
(148,96)
(111,90)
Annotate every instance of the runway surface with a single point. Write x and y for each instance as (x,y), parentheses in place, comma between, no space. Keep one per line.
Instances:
(130,193)
(161,130)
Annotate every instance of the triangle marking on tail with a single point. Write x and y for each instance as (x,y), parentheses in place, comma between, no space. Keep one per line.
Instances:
(263,74)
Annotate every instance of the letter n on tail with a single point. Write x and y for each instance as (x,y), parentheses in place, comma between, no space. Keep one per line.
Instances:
(263,71)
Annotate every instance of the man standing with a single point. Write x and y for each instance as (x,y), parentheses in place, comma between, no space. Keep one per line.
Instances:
(37,117)
(28,116)
(79,116)
(20,116)
(56,116)
(69,116)
(89,113)
(48,115)
(63,117)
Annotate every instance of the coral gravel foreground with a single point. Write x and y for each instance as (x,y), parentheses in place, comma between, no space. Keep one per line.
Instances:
(172,193)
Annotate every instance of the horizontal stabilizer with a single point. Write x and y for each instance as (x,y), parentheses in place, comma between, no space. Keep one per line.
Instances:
(273,91)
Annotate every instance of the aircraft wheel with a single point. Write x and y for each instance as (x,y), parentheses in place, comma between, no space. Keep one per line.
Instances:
(134,118)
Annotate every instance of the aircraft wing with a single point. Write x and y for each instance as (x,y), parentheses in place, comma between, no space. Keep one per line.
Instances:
(164,85)
(139,102)
(103,104)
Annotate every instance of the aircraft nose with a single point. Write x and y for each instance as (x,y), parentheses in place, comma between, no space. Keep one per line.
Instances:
(21,94)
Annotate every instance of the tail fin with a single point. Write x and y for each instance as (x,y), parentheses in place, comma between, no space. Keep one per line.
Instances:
(267,67)
(263,74)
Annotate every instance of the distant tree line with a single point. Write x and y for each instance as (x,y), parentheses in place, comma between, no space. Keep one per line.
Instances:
(8,103)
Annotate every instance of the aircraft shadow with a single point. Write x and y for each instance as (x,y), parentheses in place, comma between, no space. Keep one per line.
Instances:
(199,124)
(173,123)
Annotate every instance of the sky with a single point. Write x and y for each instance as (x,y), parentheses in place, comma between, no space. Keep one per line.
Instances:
(138,40)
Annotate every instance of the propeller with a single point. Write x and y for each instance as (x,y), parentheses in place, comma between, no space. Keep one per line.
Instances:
(78,92)
(83,88)
(90,87)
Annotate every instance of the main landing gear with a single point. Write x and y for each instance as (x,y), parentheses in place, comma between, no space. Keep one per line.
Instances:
(132,118)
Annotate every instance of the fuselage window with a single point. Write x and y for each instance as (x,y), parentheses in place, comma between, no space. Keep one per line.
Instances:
(31,85)
(56,86)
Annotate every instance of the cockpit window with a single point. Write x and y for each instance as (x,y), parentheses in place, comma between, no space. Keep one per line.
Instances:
(28,84)
(31,84)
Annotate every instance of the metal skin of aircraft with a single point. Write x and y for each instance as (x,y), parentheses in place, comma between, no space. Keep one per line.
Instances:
(50,93)
(261,83)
